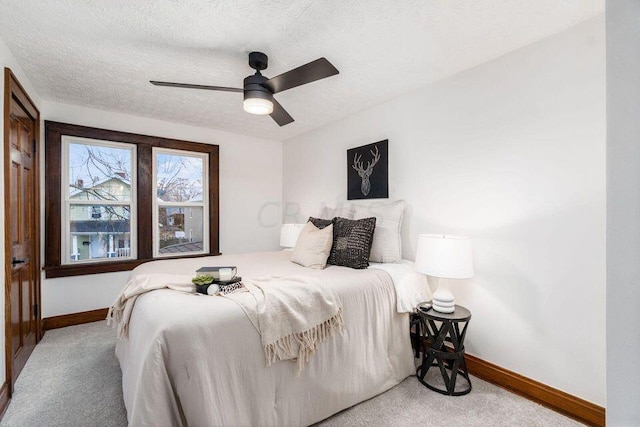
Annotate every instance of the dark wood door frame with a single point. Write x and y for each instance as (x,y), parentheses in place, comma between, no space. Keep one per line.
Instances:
(15,91)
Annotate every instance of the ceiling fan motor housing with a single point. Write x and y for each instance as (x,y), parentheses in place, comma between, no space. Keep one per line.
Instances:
(253,87)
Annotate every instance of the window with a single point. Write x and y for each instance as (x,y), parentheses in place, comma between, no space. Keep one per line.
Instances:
(180,203)
(114,200)
(99,201)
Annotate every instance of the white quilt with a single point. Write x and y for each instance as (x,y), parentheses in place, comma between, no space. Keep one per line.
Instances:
(197,360)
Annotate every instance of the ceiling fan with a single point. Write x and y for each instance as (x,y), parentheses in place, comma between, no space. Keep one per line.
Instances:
(259,90)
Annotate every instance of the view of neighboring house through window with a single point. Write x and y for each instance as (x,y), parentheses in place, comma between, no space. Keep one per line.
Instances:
(99,204)
(180,202)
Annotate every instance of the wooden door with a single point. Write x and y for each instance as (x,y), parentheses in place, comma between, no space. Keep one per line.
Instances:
(21,228)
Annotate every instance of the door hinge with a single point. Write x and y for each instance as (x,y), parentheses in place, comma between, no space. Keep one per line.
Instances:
(35,310)
(34,145)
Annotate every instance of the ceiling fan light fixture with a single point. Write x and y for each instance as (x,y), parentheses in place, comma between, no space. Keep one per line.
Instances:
(259,106)
(258,90)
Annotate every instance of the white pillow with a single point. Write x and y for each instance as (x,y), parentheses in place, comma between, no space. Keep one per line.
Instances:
(387,238)
(346,211)
(313,246)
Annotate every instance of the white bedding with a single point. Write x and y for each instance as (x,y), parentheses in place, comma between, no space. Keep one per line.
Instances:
(197,360)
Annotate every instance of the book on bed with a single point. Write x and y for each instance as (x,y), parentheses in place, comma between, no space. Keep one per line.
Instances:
(228,282)
(224,274)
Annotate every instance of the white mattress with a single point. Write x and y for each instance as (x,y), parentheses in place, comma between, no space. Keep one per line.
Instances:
(197,360)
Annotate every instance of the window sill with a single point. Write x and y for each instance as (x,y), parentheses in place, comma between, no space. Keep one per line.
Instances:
(105,267)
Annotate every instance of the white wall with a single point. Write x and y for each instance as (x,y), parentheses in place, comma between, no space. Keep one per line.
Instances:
(511,153)
(8,60)
(250,197)
(623,213)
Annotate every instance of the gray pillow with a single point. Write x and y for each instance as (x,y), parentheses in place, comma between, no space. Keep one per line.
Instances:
(352,242)
(320,223)
(345,211)
(387,240)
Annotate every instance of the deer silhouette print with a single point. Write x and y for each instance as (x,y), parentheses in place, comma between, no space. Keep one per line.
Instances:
(365,173)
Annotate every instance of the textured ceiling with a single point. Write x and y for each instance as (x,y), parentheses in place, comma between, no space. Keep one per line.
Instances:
(103,53)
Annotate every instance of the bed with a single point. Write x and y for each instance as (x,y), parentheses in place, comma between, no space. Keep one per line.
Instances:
(197,360)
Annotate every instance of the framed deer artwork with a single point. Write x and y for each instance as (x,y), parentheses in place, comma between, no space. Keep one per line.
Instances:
(368,171)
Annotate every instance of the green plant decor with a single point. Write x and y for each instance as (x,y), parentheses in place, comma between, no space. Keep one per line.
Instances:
(202,279)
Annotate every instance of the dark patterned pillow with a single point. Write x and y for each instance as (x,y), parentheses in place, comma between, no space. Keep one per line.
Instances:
(320,223)
(352,242)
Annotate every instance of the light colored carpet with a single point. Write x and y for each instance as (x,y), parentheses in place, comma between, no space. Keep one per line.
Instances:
(73,379)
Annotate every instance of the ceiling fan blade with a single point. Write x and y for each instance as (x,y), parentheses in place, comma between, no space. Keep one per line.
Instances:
(280,115)
(190,86)
(315,70)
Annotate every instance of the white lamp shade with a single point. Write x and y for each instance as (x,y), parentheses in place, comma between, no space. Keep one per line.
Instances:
(289,234)
(444,256)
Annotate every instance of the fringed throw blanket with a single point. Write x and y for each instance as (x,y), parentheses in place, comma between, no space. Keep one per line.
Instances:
(120,311)
(293,315)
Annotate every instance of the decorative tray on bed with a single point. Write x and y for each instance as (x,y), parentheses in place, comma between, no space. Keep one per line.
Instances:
(221,286)
(222,278)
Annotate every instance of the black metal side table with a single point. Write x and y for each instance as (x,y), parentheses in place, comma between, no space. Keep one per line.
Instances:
(440,329)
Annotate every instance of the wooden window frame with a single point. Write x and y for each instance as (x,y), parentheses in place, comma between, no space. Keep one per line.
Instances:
(67,202)
(157,204)
(144,145)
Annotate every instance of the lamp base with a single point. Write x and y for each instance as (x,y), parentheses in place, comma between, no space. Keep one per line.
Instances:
(443,300)
(444,308)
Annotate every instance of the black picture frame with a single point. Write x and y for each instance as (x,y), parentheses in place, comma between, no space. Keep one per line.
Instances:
(368,171)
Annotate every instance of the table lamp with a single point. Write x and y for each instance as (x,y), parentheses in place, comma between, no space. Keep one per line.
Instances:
(444,257)
(289,235)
